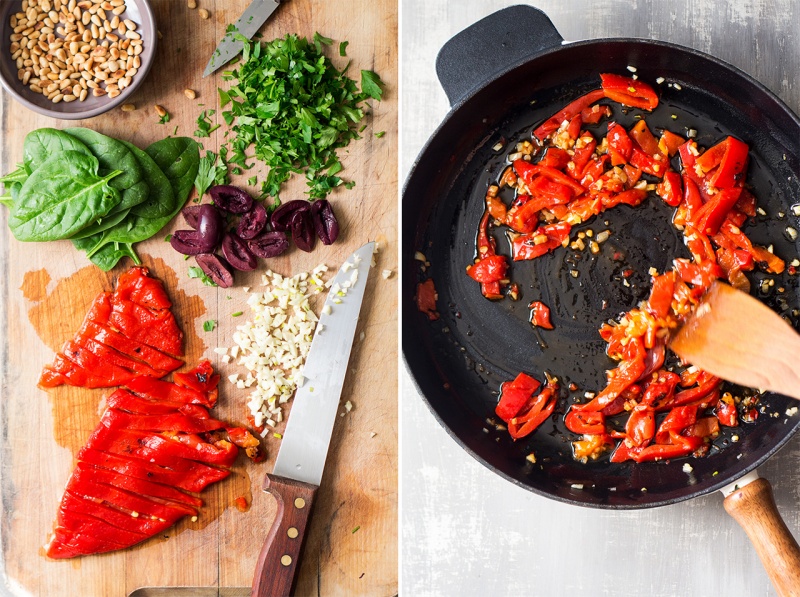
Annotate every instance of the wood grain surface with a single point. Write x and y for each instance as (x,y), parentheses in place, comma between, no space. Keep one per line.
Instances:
(46,288)
(467,532)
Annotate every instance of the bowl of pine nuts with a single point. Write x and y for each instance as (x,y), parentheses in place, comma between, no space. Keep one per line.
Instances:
(74,59)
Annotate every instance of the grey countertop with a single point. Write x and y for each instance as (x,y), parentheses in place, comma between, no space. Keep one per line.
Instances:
(466,531)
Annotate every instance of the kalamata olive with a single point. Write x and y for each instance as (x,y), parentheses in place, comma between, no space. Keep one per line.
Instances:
(282,217)
(237,253)
(191,213)
(216,268)
(189,242)
(325,222)
(253,222)
(303,230)
(269,244)
(231,199)
(209,226)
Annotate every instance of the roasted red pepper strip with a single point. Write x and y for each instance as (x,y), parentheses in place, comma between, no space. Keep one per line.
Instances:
(536,244)
(726,411)
(202,378)
(729,157)
(426,299)
(540,315)
(710,216)
(514,395)
(535,413)
(120,519)
(641,425)
(489,269)
(629,92)
(585,422)
(620,146)
(527,172)
(551,124)
(670,189)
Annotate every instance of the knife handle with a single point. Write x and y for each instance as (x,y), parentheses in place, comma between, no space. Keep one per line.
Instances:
(277,566)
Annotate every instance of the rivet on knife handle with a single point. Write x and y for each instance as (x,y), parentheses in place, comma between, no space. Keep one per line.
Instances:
(276,570)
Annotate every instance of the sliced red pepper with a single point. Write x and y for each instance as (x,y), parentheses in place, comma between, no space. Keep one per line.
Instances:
(426,299)
(661,294)
(551,124)
(581,157)
(540,315)
(667,451)
(77,523)
(706,385)
(585,422)
(594,114)
(117,419)
(726,412)
(620,146)
(642,136)
(661,389)
(157,389)
(704,427)
(670,143)
(191,476)
(525,246)
(527,172)
(710,216)
(137,286)
(632,197)
(647,163)
(135,350)
(514,395)
(677,419)
(555,158)
(540,408)
(747,203)
(67,544)
(670,189)
(201,378)
(641,425)
(629,92)
(729,157)
(120,519)
(496,208)
(489,269)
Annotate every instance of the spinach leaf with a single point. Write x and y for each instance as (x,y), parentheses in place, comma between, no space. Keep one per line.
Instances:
(18,175)
(103,224)
(113,155)
(160,200)
(179,159)
(109,255)
(40,144)
(6,200)
(61,197)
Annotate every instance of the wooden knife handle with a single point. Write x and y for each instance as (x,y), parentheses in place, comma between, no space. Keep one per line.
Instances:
(277,566)
(753,507)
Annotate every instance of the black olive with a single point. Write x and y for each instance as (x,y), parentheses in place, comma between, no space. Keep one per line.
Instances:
(209,226)
(253,222)
(303,230)
(236,252)
(231,199)
(269,244)
(325,223)
(216,268)
(189,242)
(191,213)
(282,217)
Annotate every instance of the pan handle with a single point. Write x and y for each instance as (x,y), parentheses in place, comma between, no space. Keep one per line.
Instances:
(753,507)
(491,46)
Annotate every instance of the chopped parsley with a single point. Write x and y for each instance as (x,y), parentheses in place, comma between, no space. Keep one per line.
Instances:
(295,109)
(237,314)
(196,272)
(164,119)
(213,171)
(208,326)
(343,48)
(381,134)
(204,125)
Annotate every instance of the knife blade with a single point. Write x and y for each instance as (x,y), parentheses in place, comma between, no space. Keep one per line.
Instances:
(251,20)
(304,448)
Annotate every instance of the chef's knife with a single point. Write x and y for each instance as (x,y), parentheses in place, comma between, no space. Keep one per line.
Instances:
(298,469)
(251,20)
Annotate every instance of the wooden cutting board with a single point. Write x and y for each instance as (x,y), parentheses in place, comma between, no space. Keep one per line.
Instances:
(45,290)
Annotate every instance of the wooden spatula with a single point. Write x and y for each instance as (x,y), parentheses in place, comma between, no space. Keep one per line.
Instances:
(737,338)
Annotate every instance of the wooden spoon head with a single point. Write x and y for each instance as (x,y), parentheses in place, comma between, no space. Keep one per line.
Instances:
(737,338)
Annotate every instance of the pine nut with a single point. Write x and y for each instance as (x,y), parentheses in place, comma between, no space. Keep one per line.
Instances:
(58,98)
(83,95)
(190,93)
(203,13)
(128,107)
(160,110)
(192,3)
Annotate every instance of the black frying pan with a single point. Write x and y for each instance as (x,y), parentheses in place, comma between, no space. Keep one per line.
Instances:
(503,76)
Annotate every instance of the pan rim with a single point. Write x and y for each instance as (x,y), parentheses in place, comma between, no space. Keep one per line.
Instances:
(726,478)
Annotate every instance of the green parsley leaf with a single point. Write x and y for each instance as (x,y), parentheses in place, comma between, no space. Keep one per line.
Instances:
(164,119)
(213,171)
(208,326)
(343,48)
(237,314)
(196,272)
(204,124)
(381,134)
(167,238)
(252,181)
(371,84)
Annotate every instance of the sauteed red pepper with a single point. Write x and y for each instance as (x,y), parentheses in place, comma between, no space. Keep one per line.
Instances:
(566,177)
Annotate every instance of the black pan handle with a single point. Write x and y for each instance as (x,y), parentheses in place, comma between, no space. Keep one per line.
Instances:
(494,44)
